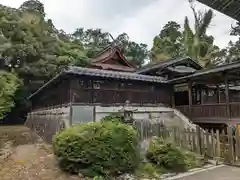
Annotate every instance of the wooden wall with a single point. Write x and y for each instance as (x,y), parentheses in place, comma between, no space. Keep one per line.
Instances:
(113,91)
(56,94)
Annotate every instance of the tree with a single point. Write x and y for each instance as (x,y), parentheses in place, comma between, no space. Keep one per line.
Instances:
(32,45)
(33,6)
(95,41)
(232,53)
(134,52)
(233,48)
(9,84)
(197,44)
(167,43)
(172,43)
(36,50)
(236,29)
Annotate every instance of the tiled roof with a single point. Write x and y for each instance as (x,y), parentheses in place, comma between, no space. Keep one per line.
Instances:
(210,71)
(114,67)
(73,70)
(228,7)
(166,63)
(108,53)
(114,74)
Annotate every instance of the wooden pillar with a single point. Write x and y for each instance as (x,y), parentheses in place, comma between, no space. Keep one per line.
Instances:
(173,96)
(71,100)
(190,97)
(227,96)
(202,94)
(190,93)
(218,94)
(92,91)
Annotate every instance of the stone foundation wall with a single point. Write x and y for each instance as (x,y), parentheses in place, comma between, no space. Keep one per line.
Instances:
(46,123)
(168,116)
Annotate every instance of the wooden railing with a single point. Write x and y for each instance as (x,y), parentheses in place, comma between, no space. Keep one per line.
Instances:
(235,110)
(210,110)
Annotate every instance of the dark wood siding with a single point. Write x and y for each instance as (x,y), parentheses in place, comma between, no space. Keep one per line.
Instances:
(95,90)
(54,95)
(112,91)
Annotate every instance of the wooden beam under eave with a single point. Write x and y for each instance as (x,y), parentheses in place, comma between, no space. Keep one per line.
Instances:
(208,80)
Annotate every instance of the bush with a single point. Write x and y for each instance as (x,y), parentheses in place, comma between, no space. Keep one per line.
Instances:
(192,161)
(165,155)
(97,148)
(147,170)
(113,117)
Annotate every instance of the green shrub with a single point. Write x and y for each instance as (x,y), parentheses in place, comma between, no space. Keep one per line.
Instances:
(147,170)
(113,117)
(192,161)
(166,155)
(97,148)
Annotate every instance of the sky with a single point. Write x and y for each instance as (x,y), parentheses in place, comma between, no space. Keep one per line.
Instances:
(140,19)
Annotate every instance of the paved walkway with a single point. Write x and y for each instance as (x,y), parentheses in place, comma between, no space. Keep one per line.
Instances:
(221,173)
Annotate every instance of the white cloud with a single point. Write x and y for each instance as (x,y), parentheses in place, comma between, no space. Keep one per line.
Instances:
(140,19)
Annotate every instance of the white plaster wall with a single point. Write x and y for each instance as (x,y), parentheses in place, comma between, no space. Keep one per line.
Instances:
(82,114)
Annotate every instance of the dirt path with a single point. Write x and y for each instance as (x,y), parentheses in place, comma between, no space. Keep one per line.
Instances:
(32,161)
(221,173)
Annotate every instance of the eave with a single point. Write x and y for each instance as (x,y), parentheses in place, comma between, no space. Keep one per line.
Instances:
(230,8)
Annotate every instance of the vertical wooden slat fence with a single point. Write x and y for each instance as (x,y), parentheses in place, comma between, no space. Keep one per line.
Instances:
(220,146)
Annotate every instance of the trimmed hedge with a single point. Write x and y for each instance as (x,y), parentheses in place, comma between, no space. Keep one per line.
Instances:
(97,148)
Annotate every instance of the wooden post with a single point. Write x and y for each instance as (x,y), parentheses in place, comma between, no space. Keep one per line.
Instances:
(213,143)
(173,97)
(218,148)
(230,142)
(142,129)
(201,93)
(218,94)
(193,140)
(227,96)
(199,140)
(190,98)
(237,152)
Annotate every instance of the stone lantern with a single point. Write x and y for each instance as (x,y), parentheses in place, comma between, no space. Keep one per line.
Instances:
(127,112)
